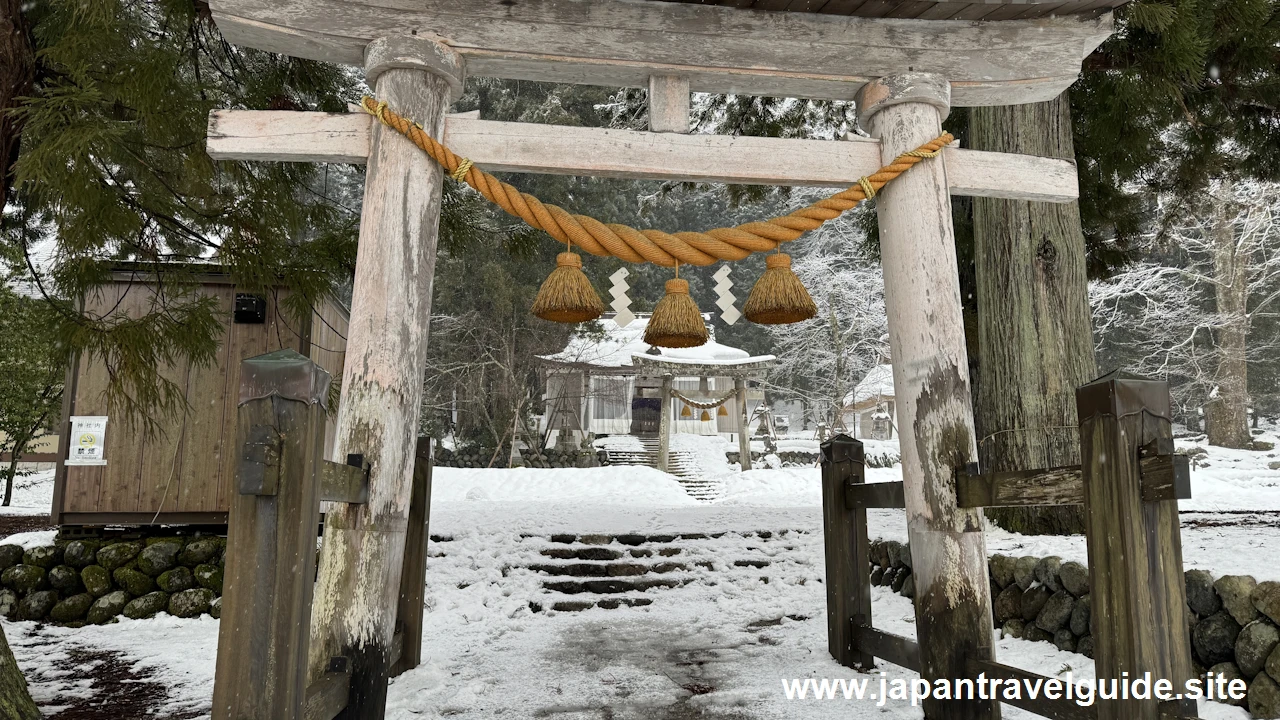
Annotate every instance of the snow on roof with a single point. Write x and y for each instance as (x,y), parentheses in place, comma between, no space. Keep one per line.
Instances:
(617,346)
(878,383)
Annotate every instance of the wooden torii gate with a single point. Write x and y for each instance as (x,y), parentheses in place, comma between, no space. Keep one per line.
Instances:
(906,62)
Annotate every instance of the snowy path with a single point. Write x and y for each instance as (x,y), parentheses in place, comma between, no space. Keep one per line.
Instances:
(747,612)
(729,610)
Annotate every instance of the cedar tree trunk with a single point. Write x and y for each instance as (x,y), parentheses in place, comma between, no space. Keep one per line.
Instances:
(17,74)
(1035,335)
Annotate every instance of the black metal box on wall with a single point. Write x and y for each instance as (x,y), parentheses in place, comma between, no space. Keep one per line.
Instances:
(250,309)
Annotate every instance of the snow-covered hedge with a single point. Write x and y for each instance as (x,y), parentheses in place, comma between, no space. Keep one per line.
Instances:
(878,455)
(93,580)
(549,458)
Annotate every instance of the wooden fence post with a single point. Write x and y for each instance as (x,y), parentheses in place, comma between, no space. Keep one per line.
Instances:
(664,425)
(413,577)
(271,540)
(358,589)
(931,382)
(844,528)
(744,425)
(1139,606)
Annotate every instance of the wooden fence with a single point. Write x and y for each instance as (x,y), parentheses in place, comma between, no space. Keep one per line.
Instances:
(1129,483)
(281,479)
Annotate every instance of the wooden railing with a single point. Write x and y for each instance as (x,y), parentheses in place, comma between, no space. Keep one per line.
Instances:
(281,479)
(1129,483)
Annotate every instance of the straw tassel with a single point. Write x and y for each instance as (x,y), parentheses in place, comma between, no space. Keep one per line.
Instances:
(685,411)
(705,416)
(567,295)
(722,411)
(778,296)
(676,321)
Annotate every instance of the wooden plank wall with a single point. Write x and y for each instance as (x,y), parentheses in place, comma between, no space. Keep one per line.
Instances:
(328,350)
(189,465)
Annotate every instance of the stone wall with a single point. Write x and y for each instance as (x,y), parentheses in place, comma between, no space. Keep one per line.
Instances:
(807,458)
(94,580)
(1234,620)
(549,458)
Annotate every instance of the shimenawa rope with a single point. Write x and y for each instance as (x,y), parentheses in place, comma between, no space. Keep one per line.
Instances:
(655,246)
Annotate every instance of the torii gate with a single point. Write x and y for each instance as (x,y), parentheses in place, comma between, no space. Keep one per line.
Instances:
(906,62)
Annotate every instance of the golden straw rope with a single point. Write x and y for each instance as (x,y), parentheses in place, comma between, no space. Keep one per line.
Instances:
(655,246)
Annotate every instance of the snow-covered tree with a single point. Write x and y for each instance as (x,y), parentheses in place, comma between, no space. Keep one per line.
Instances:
(1195,310)
(31,384)
(822,359)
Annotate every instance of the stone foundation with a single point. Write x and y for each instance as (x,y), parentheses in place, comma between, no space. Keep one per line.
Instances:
(1234,627)
(94,580)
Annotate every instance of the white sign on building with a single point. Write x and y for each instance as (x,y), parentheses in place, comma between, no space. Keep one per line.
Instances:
(88,440)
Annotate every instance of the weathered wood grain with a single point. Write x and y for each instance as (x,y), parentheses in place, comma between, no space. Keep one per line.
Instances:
(159,481)
(1020,488)
(719,50)
(327,696)
(200,473)
(358,588)
(744,424)
(875,495)
(343,482)
(1165,475)
(845,543)
(664,424)
(603,152)
(931,381)
(999,10)
(266,602)
(894,648)
(1139,606)
(413,578)
(668,104)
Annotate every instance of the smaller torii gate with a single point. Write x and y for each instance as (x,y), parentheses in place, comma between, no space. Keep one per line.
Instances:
(903,65)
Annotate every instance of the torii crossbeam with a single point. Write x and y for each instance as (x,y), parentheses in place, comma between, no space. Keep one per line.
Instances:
(906,62)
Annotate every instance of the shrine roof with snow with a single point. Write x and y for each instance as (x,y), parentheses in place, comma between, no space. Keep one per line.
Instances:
(876,385)
(608,349)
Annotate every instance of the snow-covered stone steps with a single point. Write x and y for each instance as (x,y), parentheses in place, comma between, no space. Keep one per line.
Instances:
(577,603)
(683,464)
(573,572)
(607,569)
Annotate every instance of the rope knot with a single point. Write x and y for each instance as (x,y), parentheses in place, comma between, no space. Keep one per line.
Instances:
(868,189)
(379,110)
(922,153)
(464,166)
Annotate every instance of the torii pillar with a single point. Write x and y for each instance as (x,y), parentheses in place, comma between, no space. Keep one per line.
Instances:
(359,580)
(931,382)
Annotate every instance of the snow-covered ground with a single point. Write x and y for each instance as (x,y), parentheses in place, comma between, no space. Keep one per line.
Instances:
(747,612)
(32,494)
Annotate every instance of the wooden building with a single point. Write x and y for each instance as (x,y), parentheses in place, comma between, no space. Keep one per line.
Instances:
(870,411)
(611,384)
(183,473)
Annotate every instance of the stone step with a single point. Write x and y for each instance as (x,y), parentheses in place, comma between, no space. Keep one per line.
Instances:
(612,586)
(612,569)
(578,603)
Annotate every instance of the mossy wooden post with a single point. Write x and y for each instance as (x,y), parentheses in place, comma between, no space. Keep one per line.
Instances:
(931,382)
(358,590)
(744,424)
(844,530)
(413,577)
(1139,604)
(664,424)
(271,539)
